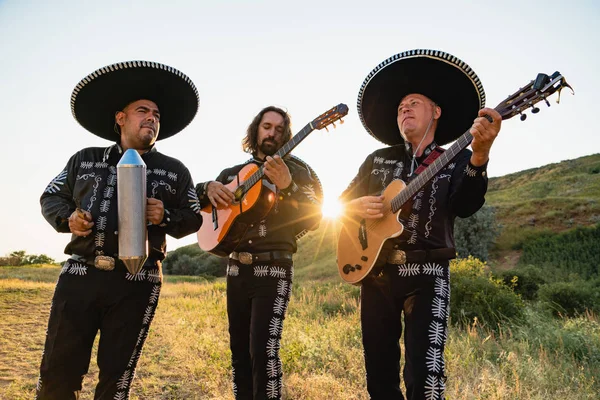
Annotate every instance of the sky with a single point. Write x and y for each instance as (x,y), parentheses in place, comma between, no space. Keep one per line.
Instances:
(304,56)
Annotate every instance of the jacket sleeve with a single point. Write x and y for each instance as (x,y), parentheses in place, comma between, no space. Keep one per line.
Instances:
(469,186)
(183,218)
(359,186)
(57,200)
(304,194)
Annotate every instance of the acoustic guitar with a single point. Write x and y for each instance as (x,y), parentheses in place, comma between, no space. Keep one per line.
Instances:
(362,242)
(223,227)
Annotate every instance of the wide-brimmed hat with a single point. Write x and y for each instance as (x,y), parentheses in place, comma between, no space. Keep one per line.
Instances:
(442,77)
(98,96)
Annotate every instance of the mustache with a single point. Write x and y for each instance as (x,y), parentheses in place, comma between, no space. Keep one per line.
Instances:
(148,125)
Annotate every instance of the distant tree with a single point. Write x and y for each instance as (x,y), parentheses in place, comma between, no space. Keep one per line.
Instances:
(475,235)
(18,255)
(38,259)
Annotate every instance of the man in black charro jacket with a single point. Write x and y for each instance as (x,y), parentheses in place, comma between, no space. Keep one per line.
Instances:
(413,102)
(258,291)
(129,103)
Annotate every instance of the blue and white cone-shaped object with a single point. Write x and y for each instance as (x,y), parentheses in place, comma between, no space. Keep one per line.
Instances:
(131,198)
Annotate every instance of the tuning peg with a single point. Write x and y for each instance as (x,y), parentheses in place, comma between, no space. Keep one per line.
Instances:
(534,109)
(333,123)
(523,116)
(341,121)
(326,128)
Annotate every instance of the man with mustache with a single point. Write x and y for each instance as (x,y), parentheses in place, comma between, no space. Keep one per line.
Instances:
(259,289)
(415,102)
(133,104)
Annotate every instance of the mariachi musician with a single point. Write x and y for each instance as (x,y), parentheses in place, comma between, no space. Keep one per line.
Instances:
(131,104)
(260,270)
(415,102)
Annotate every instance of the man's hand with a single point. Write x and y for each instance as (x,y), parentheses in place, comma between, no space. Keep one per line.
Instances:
(219,194)
(484,133)
(155,211)
(368,207)
(279,173)
(80,223)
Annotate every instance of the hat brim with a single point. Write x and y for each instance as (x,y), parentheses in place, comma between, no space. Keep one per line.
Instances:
(97,97)
(445,79)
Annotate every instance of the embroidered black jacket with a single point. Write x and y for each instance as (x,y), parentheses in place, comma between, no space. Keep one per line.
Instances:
(296,210)
(90,181)
(457,190)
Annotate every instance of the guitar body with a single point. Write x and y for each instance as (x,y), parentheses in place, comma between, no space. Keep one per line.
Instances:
(362,243)
(223,227)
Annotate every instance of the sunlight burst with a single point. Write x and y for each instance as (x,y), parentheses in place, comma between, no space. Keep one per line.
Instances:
(331,208)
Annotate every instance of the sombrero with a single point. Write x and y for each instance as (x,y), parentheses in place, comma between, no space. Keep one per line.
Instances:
(442,77)
(107,90)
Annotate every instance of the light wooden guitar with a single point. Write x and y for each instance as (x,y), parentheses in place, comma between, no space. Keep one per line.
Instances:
(363,244)
(223,227)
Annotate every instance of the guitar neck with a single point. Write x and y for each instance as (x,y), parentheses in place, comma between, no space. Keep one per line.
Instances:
(282,152)
(414,186)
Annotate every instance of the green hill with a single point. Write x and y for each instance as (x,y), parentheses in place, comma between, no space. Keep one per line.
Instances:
(553,198)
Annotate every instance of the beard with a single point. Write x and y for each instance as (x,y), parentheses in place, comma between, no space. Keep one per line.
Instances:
(268,147)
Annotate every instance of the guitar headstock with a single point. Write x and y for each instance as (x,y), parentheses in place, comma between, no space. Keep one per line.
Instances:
(330,116)
(537,90)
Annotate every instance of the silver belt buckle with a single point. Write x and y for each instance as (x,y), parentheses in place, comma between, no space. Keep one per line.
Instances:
(104,263)
(245,257)
(397,257)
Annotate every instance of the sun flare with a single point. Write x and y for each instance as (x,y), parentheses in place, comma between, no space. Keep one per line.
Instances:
(331,208)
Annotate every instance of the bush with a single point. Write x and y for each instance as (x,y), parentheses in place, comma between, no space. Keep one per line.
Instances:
(576,251)
(475,294)
(191,260)
(524,281)
(570,298)
(476,234)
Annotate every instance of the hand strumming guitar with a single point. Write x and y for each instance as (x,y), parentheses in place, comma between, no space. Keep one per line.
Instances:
(368,207)
(279,173)
(219,194)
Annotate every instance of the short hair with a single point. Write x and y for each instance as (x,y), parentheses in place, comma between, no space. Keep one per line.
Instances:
(250,141)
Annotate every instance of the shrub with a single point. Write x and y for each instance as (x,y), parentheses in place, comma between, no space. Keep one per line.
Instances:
(524,281)
(570,298)
(476,294)
(576,251)
(476,234)
(191,260)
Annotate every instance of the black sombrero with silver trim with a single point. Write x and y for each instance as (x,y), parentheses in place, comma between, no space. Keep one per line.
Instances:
(445,79)
(98,96)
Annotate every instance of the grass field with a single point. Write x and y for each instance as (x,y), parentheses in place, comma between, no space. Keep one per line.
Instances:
(187,354)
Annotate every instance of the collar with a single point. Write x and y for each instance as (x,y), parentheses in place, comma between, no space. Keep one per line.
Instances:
(428,149)
(119,150)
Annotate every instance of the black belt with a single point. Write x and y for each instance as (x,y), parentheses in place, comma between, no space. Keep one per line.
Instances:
(248,258)
(402,257)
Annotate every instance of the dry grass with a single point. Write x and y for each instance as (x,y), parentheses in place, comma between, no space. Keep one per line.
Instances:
(187,354)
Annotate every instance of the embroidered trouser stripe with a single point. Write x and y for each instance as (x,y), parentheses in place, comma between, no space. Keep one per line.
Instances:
(87,300)
(421,292)
(257,300)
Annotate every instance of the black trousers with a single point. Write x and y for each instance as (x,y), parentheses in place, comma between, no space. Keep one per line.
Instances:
(87,300)
(257,300)
(422,293)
